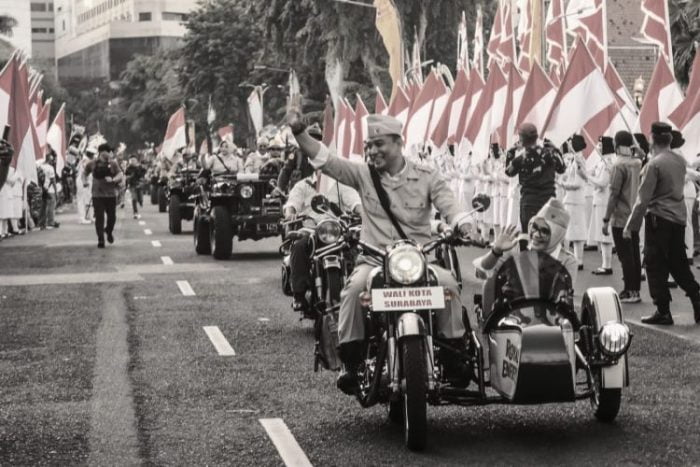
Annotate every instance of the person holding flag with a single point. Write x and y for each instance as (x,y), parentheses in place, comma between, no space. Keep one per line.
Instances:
(106,176)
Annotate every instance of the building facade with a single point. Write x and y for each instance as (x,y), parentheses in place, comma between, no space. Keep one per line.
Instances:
(95,39)
(43,40)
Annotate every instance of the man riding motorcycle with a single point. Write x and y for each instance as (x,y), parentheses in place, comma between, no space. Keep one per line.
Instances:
(408,191)
(299,204)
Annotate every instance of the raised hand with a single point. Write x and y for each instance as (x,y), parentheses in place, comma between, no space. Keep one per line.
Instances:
(506,240)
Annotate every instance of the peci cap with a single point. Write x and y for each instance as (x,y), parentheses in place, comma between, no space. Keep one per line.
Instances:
(606,145)
(383,125)
(624,138)
(528,130)
(660,128)
(262,141)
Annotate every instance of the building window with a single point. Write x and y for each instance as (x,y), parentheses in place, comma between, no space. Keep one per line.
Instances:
(51,31)
(167,16)
(145,16)
(64,25)
(50,6)
(37,6)
(38,30)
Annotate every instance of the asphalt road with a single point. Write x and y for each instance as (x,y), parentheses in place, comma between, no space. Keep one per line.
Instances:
(147,354)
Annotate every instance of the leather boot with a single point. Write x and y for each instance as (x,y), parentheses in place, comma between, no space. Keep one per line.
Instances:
(662,315)
(350,354)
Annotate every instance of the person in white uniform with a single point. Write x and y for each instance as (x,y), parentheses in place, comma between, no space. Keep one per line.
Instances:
(574,201)
(599,178)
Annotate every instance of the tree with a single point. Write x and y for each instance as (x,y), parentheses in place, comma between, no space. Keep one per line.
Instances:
(222,44)
(685,35)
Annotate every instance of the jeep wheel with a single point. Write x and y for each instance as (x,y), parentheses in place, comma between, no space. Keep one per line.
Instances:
(162,199)
(221,233)
(174,215)
(202,242)
(154,193)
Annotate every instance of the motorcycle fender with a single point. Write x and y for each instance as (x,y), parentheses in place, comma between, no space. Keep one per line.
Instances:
(331,262)
(605,303)
(410,324)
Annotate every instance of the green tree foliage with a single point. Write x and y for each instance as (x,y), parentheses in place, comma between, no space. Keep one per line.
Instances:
(685,34)
(222,44)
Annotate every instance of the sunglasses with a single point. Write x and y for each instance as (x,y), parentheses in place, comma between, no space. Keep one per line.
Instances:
(541,227)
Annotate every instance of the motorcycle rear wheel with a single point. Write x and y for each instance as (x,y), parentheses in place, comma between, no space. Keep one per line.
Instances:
(415,395)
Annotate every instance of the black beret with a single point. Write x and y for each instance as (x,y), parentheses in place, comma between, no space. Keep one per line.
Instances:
(660,128)
(624,138)
(578,143)
(642,141)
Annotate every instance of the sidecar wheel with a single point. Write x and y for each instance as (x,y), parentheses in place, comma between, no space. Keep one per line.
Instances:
(415,397)
(605,402)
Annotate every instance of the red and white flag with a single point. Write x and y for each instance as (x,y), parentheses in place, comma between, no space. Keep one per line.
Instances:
(687,120)
(555,34)
(345,129)
(360,123)
(537,100)
(514,94)
(446,127)
(471,99)
(663,96)
(478,61)
(328,125)
(495,36)
(588,18)
(462,43)
(628,113)
(489,110)
(679,116)
(400,105)
(554,77)
(42,127)
(255,108)
(417,126)
(656,26)
(582,95)
(380,105)
(22,132)
(524,34)
(506,48)
(175,134)
(225,133)
(56,138)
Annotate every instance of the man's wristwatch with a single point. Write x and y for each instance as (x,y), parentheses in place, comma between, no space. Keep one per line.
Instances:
(495,253)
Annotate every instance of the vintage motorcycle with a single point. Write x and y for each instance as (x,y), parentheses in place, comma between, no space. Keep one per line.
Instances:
(532,349)
(332,261)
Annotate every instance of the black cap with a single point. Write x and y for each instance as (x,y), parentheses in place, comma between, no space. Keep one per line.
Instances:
(677,140)
(607,145)
(315,131)
(578,143)
(642,141)
(104,147)
(660,128)
(624,138)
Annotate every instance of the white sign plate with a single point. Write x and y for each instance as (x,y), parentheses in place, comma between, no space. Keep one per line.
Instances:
(409,298)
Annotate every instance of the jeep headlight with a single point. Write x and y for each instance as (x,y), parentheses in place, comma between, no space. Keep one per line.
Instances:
(329,231)
(614,339)
(406,264)
(246,191)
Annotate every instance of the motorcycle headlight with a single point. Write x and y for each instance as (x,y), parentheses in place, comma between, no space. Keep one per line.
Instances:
(406,264)
(246,191)
(614,339)
(329,231)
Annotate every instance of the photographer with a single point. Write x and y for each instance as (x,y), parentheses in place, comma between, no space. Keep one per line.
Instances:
(106,175)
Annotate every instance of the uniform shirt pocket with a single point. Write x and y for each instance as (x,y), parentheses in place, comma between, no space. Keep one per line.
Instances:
(415,210)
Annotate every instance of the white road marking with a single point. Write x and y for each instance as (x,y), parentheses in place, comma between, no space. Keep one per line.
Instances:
(219,340)
(156,244)
(142,222)
(167,260)
(287,447)
(147,231)
(264,320)
(185,288)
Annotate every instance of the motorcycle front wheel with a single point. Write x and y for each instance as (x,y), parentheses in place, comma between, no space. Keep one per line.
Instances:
(413,365)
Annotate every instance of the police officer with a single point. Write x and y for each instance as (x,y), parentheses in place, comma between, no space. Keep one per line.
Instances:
(661,204)
(412,190)
(536,167)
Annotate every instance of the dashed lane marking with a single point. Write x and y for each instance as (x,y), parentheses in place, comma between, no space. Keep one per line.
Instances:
(147,231)
(167,260)
(185,288)
(264,320)
(219,341)
(156,244)
(287,447)
(142,222)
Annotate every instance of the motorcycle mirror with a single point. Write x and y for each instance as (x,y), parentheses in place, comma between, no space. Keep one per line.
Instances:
(320,204)
(481,202)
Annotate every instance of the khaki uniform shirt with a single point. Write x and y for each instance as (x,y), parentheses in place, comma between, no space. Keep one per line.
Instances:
(220,164)
(412,194)
(302,193)
(661,190)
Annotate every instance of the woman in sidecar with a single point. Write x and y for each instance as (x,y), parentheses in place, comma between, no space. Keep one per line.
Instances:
(534,280)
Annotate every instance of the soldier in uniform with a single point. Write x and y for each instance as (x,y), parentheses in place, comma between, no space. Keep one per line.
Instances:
(224,161)
(661,204)
(536,167)
(412,190)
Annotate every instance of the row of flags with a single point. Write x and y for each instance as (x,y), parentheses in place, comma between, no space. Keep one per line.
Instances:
(24,109)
